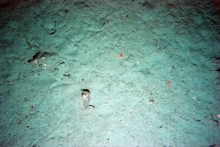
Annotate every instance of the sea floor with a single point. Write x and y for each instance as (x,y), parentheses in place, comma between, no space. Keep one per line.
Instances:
(151,68)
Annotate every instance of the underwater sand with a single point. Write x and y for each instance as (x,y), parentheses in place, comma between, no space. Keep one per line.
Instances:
(125,54)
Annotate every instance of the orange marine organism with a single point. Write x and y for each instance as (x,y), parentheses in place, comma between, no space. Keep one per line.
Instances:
(120,55)
(168,82)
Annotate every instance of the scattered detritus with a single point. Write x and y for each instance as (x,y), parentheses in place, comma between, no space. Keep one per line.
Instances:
(22,120)
(105,22)
(62,63)
(52,31)
(66,11)
(29,44)
(146,4)
(40,54)
(214,119)
(26,116)
(81,3)
(152,101)
(67,75)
